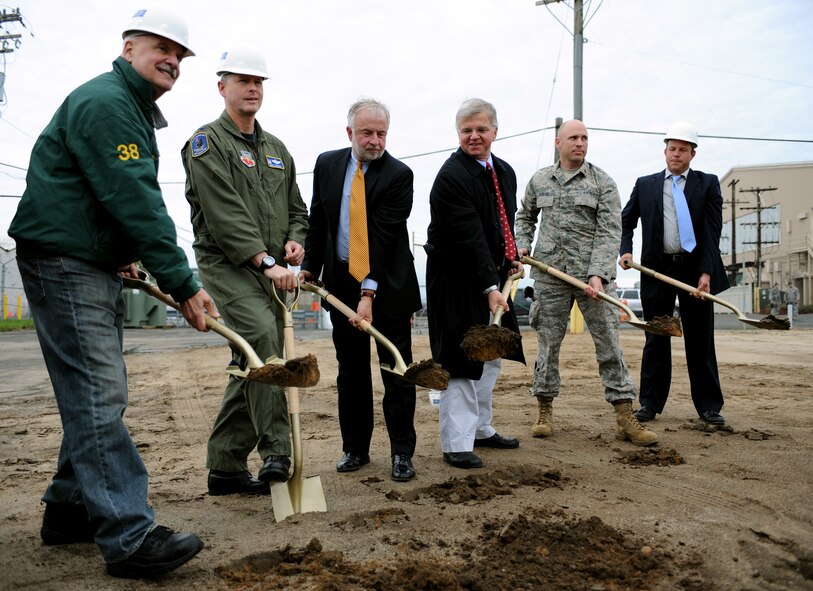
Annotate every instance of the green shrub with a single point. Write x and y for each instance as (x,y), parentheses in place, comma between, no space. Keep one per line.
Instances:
(14,324)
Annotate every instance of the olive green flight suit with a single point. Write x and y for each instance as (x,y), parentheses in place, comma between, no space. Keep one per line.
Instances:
(244,200)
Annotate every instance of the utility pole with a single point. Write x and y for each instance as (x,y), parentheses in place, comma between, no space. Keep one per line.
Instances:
(732,268)
(555,135)
(6,41)
(578,54)
(759,208)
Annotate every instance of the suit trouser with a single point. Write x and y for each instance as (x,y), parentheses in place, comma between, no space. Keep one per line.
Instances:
(697,319)
(465,410)
(252,414)
(355,383)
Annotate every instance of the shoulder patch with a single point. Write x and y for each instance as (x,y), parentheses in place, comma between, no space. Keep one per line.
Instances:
(200,144)
(274,162)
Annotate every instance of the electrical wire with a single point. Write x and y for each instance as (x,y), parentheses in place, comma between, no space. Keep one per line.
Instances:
(541,130)
(550,98)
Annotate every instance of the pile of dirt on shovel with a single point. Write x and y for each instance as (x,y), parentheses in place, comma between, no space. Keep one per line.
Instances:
(668,325)
(537,549)
(486,343)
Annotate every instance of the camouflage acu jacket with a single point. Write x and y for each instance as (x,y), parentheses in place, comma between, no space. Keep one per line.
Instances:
(579,219)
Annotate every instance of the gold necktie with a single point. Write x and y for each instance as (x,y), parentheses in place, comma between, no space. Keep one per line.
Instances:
(359,256)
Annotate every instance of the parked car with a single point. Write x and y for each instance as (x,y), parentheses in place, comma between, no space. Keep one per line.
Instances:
(522,306)
(631,297)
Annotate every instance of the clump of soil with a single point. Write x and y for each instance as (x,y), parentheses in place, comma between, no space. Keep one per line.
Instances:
(771,322)
(486,343)
(708,428)
(651,457)
(482,487)
(301,372)
(428,374)
(666,325)
(538,549)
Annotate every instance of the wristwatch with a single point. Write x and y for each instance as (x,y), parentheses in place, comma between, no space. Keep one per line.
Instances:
(266,263)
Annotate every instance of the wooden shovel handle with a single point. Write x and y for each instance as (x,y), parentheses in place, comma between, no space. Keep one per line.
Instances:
(683,286)
(576,283)
(506,291)
(252,358)
(400,365)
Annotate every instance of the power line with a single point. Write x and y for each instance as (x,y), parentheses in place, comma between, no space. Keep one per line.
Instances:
(704,66)
(716,137)
(531,132)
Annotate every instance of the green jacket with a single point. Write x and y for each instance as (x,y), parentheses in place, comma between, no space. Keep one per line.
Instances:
(92,185)
(243,200)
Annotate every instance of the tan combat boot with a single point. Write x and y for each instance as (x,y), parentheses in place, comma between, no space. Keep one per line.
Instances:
(628,427)
(544,422)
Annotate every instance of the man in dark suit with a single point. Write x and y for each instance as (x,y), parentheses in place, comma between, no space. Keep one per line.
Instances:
(473,202)
(386,285)
(681,217)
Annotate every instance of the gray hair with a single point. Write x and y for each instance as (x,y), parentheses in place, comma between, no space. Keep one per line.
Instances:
(129,36)
(362,105)
(475,106)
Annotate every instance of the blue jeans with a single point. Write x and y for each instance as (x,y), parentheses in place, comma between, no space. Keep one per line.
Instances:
(78,311)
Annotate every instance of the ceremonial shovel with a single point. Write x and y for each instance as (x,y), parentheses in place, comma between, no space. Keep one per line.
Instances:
(298,495)
(666,326)
(768,323)
(293,372)
(485,343)
(425,373)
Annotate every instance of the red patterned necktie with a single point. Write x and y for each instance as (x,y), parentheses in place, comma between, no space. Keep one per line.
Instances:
(510,245)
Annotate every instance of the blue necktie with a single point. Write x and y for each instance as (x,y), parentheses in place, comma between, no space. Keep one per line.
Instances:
(684,220)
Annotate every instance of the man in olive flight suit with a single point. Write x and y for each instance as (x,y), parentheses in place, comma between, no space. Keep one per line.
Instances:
(249,220)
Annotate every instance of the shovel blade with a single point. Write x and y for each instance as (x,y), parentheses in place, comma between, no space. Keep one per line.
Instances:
(297,496)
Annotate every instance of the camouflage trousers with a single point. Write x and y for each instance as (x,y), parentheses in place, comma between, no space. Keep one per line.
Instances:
(550,314)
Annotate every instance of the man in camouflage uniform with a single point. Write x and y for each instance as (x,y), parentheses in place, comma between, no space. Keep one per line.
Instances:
(579,212)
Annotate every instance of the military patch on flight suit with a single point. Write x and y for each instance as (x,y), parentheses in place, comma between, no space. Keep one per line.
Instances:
(200,144)
(274,162)
(246,158)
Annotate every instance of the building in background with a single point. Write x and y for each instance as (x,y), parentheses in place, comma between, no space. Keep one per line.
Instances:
(767,233)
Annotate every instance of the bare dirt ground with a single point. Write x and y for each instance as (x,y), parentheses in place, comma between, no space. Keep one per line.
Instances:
(706,509)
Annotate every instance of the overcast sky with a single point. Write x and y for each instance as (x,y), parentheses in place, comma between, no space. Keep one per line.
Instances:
(732,67)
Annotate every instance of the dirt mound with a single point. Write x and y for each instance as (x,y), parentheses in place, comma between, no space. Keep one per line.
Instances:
(651,456)
(482,487)
(538,550)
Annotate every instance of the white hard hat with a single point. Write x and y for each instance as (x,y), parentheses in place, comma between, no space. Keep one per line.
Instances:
(243,60)
(160,21)
(682,130)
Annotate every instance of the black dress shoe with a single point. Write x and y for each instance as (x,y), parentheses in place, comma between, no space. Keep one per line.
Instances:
(161,551)
(712,417)
(66,523)
(351,462)
(497,441)
(645,414)
(402,469)
(233,483)
(462,459)
(275,469)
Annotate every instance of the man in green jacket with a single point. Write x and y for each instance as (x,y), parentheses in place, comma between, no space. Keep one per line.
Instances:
(249,220)
(92,206)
